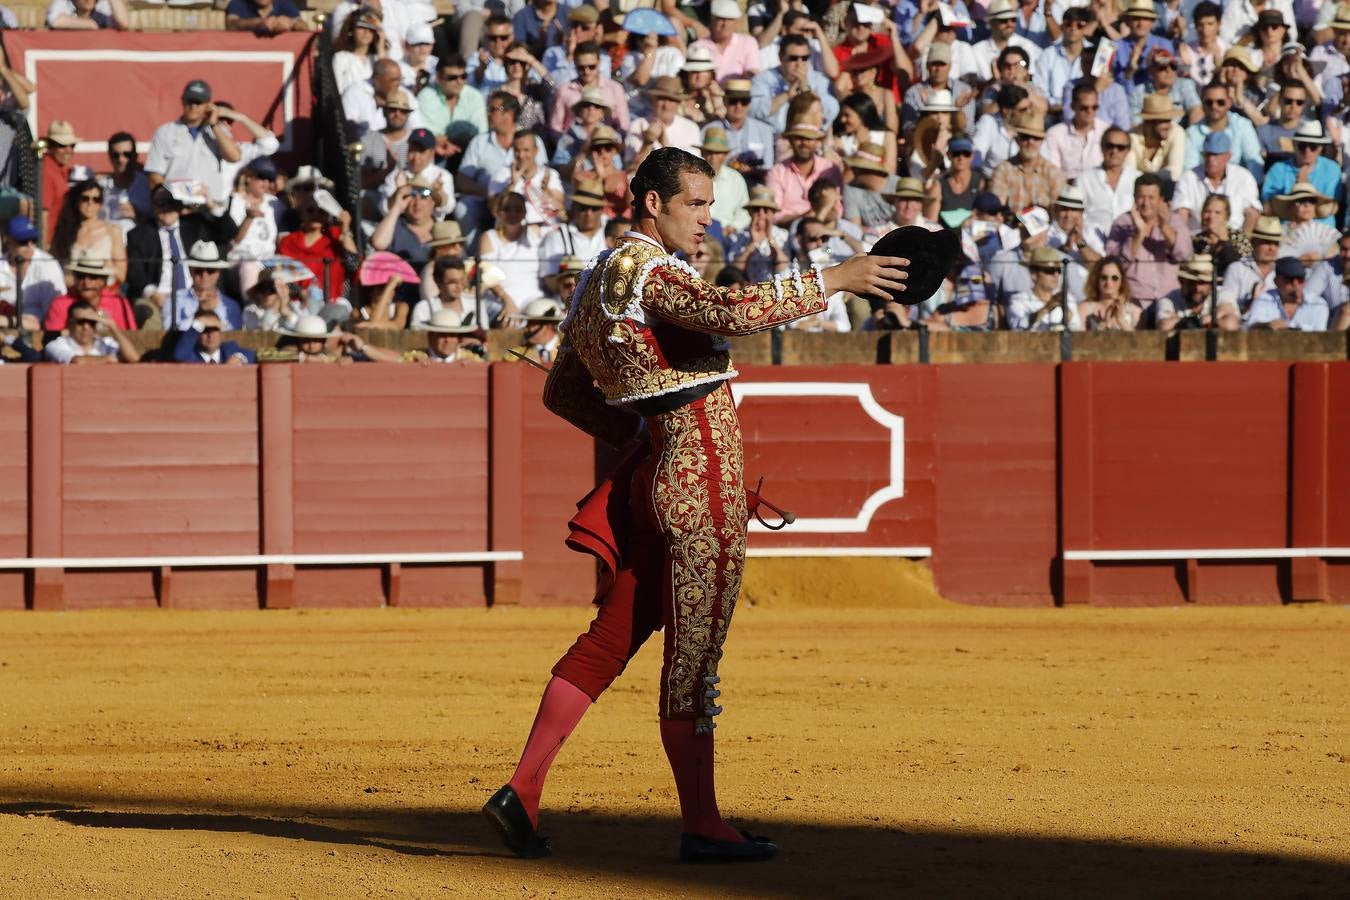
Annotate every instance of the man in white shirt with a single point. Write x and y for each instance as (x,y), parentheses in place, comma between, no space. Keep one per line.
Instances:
(1108,189)
(363,102)
(1217,174)
(1002,20)
(30,278)
(1075,145)
(192,147)
(421,164)
(665,128)
(90,338)
(1249,278)
(582,235)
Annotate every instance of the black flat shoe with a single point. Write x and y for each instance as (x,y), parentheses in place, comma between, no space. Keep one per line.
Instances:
(696,849)
(508,816)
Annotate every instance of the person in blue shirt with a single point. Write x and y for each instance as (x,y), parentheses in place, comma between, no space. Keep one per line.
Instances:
(1216,106)
(1307,165)
(264,16)
(771,89)
(1287,305)
(1132,51)
(205,267)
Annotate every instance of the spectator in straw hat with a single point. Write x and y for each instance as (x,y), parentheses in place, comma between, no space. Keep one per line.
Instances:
(751,141)
(586,59)
(1001,18)
(589,113)
(1249,277)
(1129,66)
(1218,175)
(729,188)
(447,242)
(1028,178)
(1157,143)
(1163,79)
(542,317)
(601,161)
(563,282)
(761,250)
(1044,307)
(939,78)
(61,141)
(90,338)
(1309,165)
(449,340)
(792,178)
(1303,212)
(907,203)
(1288,306)
(703,101)
(1193,304)
(939,120)
(863,204)
(204,267)
(385,151)
(665,128)
(91,277)
(583,234)
(731,50)
(1071,237)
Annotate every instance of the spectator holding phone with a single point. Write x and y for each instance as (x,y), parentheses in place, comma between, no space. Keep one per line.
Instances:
(192,147)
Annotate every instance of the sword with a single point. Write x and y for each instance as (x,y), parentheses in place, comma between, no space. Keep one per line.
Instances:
(525,359)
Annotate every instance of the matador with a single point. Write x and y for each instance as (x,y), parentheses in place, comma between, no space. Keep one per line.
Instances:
(645,366)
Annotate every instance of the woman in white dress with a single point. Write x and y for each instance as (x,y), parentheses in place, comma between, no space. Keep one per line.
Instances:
(357,46)
(509,248)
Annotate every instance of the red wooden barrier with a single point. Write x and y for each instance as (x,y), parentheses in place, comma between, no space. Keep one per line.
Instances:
(1114,483)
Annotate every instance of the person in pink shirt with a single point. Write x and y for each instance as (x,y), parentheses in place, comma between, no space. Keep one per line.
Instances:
(91,278)
(586,58)
(793,177)
(735,54)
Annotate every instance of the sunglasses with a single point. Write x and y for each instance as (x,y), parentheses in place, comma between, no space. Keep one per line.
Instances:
(91,198)
(499,37)
(1216,103)
(1299,278)
(420,192)
(211,329)
(738,101)
(453,76)
(1295,101)
(962,153)
(90,322)
(587,67)
(796,58)
(1121,147)
(1108,277)
(122,154)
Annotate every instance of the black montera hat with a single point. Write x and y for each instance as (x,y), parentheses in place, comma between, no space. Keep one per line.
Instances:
(930,255)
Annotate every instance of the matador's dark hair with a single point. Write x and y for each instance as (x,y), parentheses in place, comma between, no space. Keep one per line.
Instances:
(661,172)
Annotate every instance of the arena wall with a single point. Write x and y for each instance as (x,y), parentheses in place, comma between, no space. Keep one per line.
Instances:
(1023,484)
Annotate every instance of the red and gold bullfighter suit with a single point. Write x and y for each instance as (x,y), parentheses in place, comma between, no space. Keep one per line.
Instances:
(645,364)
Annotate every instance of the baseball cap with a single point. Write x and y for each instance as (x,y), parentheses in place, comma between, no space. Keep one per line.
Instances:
(197,91)
(1290,267)
(423,138)
(263,167)
(1217,142)
(986,203)
(21,228)
(961,144)
(726,9)
(419,33)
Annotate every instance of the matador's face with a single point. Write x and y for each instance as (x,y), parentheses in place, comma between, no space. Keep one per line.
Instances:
(685,218)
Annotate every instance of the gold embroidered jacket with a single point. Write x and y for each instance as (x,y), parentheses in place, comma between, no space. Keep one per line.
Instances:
(643,324)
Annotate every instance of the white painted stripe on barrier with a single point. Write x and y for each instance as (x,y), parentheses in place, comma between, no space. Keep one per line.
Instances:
(278,559)
(1210,553)
(899,552)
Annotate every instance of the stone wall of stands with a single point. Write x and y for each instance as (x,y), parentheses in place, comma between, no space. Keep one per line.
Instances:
(359,486)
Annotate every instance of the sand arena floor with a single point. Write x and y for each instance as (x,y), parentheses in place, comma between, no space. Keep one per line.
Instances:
(946,752)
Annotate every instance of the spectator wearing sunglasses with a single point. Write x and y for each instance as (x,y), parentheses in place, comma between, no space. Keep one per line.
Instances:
(1064,60)
(126,189)
(1277,135)
(421,156)
(1217,103)
(1076,145)
(1163,79)
(747,137)
(80,232)
(451,101)
(203,343)
(487,67)
(30,278)
(90,338)
(586,60)
(771,89)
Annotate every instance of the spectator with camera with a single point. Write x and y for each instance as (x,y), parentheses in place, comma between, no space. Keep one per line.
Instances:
(1194,304)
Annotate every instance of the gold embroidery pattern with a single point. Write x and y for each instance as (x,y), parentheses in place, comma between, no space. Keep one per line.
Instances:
(696,304)
(699,504)
(570,394)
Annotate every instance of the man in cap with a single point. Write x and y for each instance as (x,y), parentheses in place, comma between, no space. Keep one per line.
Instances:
(586,60)
(204,267)
(1152,239)
(735,54)
(91,277)
(542,338)
(1246,279)
(449,340)
(582,234)
(1075,146)
(202,343)
(192,147)
(1309,164)
(1190,306)
(588,114)
(451,108)
(864,204)
(1288,305)
(1217,106)
(1002,21)
(1028,178)
(263,16)
(1162,78)
(363,102)
(729,188)
(986,232)
(665,128)
(771,89)
(90,338)
(791,179)
(1217,174)
(760,251)
(30,277)
(583,27)
(1133,51)
(750,141)
(683,569)
(422,165)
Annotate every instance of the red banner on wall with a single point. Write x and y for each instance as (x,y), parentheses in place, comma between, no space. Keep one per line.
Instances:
(106,81)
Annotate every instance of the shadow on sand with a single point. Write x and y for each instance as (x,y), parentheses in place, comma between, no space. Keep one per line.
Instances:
(817,860)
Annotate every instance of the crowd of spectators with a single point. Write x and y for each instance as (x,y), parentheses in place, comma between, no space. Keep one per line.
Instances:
(1107,165)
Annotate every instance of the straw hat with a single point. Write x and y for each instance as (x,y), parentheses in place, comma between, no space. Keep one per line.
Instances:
(1001,9)
(88,264)
(205,255)
(869,158)
(1159,107)
(740,87)
(61,132)
(309,176)
(604,136)
(1140,9)
(445,321)
(906,189)
(667,87)
(1283,204)
(1071,197)
(1268,229)
(399,100)
(590,96)
(588,192)
(939,101)
(1044,258)
(1310,133)
(698,59)
(542,310)
(762,198)
(1342,20)
(307,328)
(571,265)
(715,140)
(1247,57)
(1031,124)
(802,128)
(1198,268)
(443,234)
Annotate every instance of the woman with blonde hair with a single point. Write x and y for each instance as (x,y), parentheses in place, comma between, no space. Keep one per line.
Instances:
(358,44)
(1107,305)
